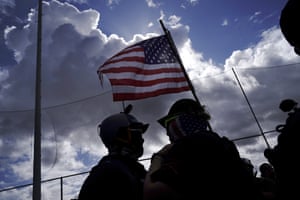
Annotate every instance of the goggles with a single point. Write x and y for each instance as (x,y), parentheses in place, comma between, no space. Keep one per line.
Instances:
(132,133)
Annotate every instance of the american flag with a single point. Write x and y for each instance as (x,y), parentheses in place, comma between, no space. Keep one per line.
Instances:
(146,69)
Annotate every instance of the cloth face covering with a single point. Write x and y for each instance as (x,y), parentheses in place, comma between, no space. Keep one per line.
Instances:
(185,124)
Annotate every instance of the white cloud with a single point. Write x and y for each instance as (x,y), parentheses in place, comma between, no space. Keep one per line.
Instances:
(5,4)
(3,74)
(193,2)
(150,24)
(174,20)
(111,3)
(151,4)
(225,22)
(273,49)
(78,1)
(254,17)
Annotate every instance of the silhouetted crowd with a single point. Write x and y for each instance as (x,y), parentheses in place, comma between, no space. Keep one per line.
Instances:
(198,163)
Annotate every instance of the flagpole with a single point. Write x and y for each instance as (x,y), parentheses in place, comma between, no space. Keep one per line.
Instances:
(173,46)
(251,109)
(36,191)
(167,32)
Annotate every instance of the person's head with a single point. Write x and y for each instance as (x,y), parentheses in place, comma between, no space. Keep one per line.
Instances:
(289,20)
(287,105)
(185,117)
(266,170)
(249,166)
(122,133)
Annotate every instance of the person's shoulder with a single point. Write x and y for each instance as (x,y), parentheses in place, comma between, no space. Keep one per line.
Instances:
(123,163)
(108,163)
(204,143)
(112,166)
(202,136)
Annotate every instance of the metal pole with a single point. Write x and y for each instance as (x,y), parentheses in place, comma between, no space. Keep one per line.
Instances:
(61,188)
(257,122)
(36,192)
(167,32)
(171,41)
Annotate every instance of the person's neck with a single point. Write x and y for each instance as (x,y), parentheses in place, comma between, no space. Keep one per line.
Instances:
(123,153)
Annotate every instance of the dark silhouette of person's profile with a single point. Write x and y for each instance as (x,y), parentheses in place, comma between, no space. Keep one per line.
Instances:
(289,24)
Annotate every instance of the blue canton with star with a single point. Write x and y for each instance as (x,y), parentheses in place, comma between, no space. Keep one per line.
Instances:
(158,51)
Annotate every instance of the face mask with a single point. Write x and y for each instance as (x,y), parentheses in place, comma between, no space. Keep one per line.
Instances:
(185,124)
(130,141)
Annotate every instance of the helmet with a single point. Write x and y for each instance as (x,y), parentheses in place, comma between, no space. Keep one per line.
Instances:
(112,126)
(287,105)
(289,20)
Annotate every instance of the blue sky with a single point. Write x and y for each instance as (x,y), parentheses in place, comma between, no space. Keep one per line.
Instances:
(212,36)
(217,28)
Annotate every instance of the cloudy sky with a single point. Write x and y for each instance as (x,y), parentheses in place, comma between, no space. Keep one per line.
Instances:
(215,38)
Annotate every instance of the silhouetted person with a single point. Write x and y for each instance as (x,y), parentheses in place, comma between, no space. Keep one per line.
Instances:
(284,157)
(118,175)
(198,163)
(249,167)
(289,23)
(267,181)
(267,171)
